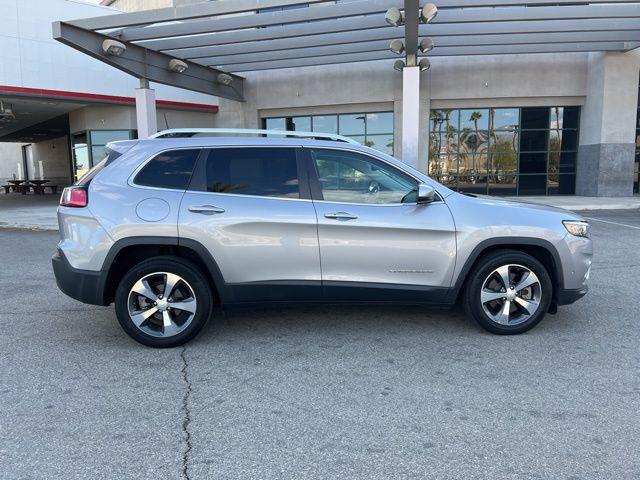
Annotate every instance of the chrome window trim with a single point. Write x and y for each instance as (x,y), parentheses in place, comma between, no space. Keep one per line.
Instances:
(237,195)
(137,170)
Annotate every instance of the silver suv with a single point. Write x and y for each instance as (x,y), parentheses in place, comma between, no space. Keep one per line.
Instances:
(170,227)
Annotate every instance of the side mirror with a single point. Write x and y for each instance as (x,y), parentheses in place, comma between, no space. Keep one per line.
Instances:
(426,193)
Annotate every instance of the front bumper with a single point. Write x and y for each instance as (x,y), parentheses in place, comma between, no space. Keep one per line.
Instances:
(567,297)
(84,285)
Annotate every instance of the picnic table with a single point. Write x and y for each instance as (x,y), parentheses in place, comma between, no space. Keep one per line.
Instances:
(13,185)
(38,186)
(23,186)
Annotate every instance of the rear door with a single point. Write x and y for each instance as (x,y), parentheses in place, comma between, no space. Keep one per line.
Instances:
(250,208)
(376,243)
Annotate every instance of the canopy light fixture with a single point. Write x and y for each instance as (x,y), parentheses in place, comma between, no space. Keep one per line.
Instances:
(225,79)
(424,64)
(393,17)
(177,66)
(396,46)
(426,45)
(398,65)
(428,13)
(113,47)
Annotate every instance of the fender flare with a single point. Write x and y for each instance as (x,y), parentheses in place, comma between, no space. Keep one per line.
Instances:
(212,266)
(507,242)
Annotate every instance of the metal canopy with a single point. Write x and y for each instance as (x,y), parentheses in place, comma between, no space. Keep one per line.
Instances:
(251,35)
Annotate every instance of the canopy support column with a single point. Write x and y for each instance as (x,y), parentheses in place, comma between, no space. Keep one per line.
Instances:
(146,115)
(411,116)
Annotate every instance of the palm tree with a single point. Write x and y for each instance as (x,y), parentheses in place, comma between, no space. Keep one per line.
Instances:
(558,138)
(475,117)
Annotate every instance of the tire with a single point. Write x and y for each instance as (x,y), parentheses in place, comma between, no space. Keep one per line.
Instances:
(485,297)
(152,319)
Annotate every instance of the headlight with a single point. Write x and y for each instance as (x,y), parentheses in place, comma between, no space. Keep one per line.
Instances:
(577,227)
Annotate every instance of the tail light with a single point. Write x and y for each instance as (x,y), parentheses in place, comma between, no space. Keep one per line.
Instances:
(74,196)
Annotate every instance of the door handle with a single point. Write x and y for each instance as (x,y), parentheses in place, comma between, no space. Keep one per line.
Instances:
(340,216)
(206,209)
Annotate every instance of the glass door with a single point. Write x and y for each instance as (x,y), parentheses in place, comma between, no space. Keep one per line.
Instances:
(81,161)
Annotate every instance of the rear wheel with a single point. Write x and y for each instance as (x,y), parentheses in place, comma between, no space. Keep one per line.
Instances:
(163,302)
(509,292)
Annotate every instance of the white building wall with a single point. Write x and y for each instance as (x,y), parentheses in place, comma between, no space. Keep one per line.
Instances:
(10,157)
(113,117)
(29,57)
(54,155)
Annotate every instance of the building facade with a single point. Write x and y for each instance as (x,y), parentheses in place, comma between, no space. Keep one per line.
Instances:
(538,124)
(542,124)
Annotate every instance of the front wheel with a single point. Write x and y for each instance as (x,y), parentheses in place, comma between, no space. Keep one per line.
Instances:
(508,292)
(163,302)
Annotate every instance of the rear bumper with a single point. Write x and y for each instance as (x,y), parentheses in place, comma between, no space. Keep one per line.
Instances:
(567,297)
(83,285)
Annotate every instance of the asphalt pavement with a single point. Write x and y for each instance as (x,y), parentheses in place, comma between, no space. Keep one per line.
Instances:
(322,392)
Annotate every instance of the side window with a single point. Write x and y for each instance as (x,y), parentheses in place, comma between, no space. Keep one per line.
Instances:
(170,169)
(350,177)
(267,172)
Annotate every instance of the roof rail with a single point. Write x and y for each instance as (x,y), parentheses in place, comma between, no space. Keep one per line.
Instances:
(190,132)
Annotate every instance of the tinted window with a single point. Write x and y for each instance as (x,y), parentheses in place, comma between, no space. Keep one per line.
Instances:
(171,169)
(349,177)
(267,172)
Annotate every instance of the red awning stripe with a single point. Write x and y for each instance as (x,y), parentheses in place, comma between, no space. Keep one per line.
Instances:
(81,96)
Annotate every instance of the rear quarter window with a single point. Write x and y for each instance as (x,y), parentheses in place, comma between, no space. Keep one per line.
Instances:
(171,169)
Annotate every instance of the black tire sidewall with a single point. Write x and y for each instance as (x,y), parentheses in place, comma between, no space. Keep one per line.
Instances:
(485,266)
(180,267)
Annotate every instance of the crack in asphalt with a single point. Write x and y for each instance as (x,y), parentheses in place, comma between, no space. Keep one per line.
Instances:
(186,415)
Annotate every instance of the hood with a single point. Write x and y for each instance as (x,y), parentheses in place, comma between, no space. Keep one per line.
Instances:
(501,202)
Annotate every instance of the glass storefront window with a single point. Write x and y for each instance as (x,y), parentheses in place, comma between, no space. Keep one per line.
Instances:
(301,124)
(89,147)
(379,123)
(505,151)
(352,124)
(276,124)
(505,119)
(374,130)
(382,143)
(102,137)
(474,119)
(325,123)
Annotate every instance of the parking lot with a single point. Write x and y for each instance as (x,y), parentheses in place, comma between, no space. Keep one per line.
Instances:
(322,392)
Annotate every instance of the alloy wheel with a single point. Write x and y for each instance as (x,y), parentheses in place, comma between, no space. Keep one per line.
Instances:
(162,304)
(511,294)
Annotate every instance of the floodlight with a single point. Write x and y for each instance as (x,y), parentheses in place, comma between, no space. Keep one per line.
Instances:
(393,17)
(396,46)
(428,13)
(424,64)
(177,66)
(225,79)
(426,45)
(398,65)
(113,47)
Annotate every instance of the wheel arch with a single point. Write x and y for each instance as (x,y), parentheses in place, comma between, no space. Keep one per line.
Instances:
(542,250)
(126,253)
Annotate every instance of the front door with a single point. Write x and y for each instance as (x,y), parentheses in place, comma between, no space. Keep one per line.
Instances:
(251,210)
(376,242)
